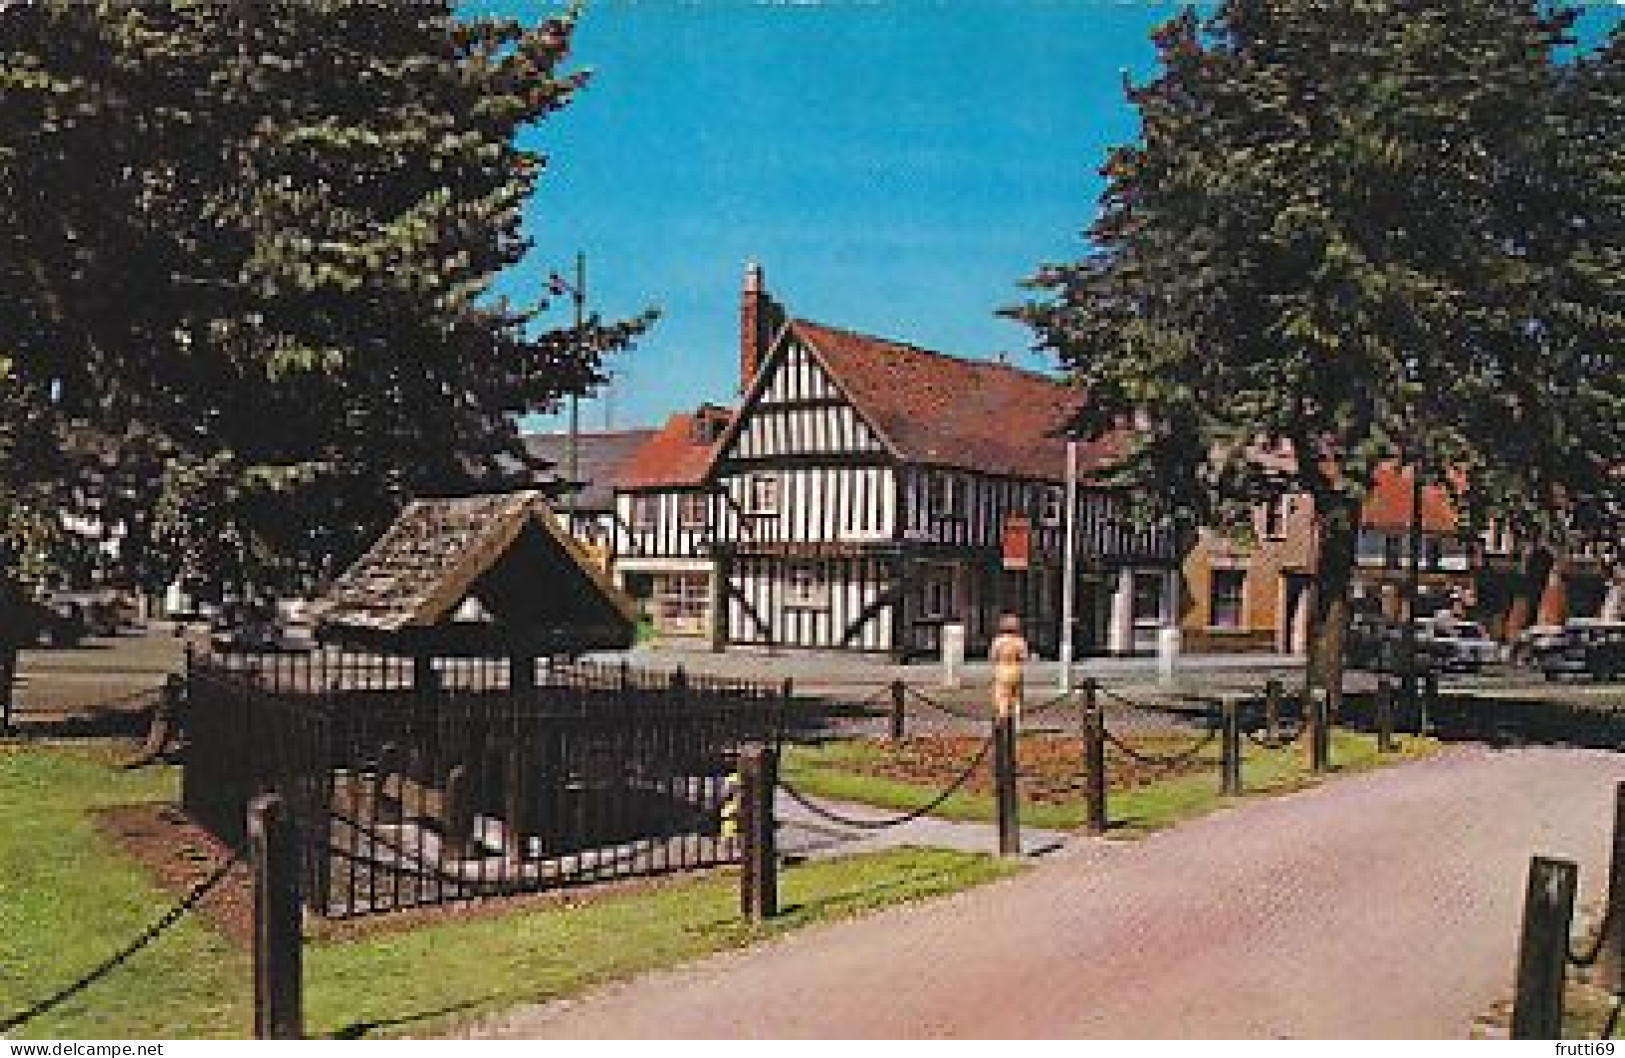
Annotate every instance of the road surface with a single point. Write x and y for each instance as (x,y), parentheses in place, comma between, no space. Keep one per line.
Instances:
(1380,905)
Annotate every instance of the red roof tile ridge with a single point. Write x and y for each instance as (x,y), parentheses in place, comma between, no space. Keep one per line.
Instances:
(959,358)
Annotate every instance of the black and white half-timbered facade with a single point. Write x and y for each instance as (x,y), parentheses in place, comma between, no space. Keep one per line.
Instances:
(868,493)
(663,524)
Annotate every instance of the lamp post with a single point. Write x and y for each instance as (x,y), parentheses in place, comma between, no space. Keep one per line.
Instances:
(1069,564)
(577,290)
(1413,584)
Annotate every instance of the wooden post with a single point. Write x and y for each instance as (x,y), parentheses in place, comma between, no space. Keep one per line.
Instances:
(278,973)
(1272,711)
(1004,781)
(1094,757)
(1385,716)
(1230,784)
(1429,700)
(759,876)
(1610,972)
(1320,734)
(389,763)
(425,680)
(518,801)
(522,673)
(898,718)
(1543,949)
(458,812)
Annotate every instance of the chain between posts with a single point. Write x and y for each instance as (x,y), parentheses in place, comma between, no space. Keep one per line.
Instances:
(1182,757)
(146,937)
(908,817)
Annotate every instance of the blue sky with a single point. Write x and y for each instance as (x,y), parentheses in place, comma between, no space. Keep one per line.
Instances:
(896,167)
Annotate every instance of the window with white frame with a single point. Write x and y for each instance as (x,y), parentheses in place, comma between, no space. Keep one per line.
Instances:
(806,586)
(762,494)
(693,510)
(1275,518)
(1052,505)
(645,511)
(942,494)
(1225,598)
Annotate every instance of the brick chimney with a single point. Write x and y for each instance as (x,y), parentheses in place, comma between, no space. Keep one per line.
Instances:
(760,318)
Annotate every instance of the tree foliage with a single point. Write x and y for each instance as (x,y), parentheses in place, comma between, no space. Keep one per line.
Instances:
(1350,234)
(246,254)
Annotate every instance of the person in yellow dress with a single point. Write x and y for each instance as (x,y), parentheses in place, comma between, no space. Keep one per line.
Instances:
(1008,655)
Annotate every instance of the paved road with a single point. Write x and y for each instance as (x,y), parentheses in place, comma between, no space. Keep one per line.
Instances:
(1382,905)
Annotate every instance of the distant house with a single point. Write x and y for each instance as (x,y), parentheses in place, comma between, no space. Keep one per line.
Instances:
(1251,590)
(869,493)
(589,507)
(664,516)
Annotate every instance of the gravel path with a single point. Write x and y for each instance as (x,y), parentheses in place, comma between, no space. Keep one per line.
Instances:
(1381,905)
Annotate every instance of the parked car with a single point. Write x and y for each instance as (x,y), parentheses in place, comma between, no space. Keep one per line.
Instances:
(106,611)
(1584,648)
(1465,646)
(1378,644)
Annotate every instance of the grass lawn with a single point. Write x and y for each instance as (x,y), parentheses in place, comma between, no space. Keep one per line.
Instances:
(843,770)
(68,900)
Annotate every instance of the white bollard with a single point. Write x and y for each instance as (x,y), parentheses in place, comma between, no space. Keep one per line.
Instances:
(1168,643)
(953,654)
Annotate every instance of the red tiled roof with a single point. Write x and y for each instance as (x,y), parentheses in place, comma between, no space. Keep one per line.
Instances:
(1388,506)
(675,456)
(937,409)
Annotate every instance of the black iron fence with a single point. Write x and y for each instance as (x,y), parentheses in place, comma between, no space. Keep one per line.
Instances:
(415,782)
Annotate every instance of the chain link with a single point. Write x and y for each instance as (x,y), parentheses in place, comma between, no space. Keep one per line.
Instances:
(147,936)
(926,699)
(908,817)
(1182,757)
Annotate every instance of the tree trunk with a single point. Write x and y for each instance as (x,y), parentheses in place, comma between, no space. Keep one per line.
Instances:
(1337,531)
(1534,567)
(15,626)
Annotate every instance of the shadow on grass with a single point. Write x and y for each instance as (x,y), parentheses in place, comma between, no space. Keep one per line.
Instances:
(362,1029)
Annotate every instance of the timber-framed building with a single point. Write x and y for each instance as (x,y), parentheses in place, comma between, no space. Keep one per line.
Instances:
(867,493)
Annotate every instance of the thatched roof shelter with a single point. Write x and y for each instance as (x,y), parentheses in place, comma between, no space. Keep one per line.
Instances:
(492,574)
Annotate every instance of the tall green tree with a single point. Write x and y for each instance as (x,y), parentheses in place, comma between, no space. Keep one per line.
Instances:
(1335,246)
(246,257)
(250,247)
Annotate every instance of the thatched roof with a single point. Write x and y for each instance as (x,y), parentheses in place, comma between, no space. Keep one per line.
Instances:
(535,588)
